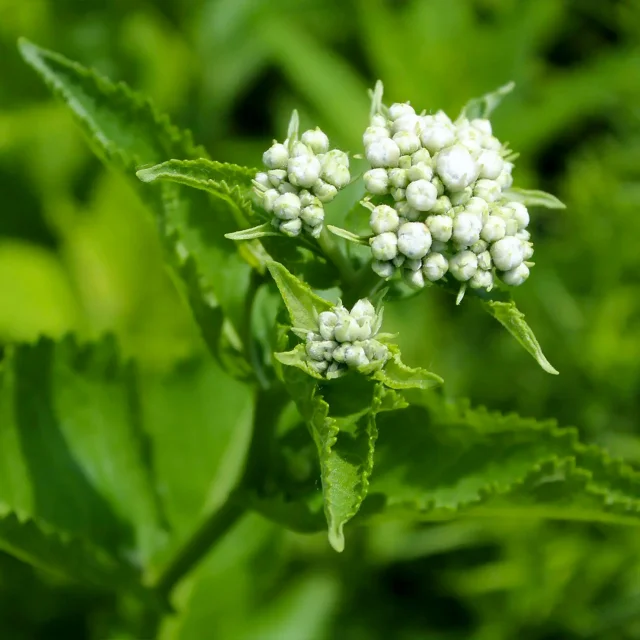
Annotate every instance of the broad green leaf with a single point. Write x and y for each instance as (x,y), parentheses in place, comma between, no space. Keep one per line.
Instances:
(534,198)
(302,304)
(484,106)
(261,231)
(442,459)
(398,375)
(508,315)
(73,455)
(126,132)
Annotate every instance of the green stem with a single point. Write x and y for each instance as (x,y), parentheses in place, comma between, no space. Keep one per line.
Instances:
(365,283)
(333,252)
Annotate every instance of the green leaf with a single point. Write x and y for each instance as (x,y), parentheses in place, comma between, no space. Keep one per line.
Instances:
(303,305)
(397,375)
(508,315)
(297,358)
(484,106)
(534,198)
(73,455)
(347,235)
(201,173)
(261,231)
(442,459)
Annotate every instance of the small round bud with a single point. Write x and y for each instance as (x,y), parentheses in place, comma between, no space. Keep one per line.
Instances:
(363,330)
(263,180)
(312,215)
(421,156)
(412,265)
(494,229)
(269,198)
(398,178)
(304,171)
(347,329)
(383,269)
(527,250)
(441,227)
(479,247)
(404,162)
(287,206)
(336,174)
(363,309)
(335,155)
(435,136)
(407,142)
(520,214)
(414,240)
(414,278)
(327,321)
(277,177)
(355,356)
(420,171)
(398,261)
(422,195)
(511,227)
(407,124)
(516,276)
(488,190)
(405,210)
(374,134)
(398,194)
(484,260)
(316,140)
(463,265)
(491,164)
(456,168)
(442,206)
(384,219)
(434,266)
(340,353)
(320,367)
(286,187)
(505,180)
(276,157)
(300,150)
(478,207)
(376,181)
(384,246)
(399,109)
(459,198)
(291,227)
(324,191)
(375,351)
(383,153)
(481,280)
(507,253)
(523,235)
(308,199)
(482,124)
(438,184)
(466,229)
(321,350)
(378,120)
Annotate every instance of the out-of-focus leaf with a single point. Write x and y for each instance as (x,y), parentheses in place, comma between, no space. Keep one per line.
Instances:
(484,106)
(534,198)
(261,231)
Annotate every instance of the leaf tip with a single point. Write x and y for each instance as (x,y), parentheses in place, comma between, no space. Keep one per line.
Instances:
(146,175)
(336,537)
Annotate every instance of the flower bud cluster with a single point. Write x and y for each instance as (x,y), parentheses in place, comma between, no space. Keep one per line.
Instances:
(450,213)
(301,177)
(346,340)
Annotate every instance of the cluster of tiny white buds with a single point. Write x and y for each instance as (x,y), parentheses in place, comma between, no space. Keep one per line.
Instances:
(301,176)
(447,209)
(346,340)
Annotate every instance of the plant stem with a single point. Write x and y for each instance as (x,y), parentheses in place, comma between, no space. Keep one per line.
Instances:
(365,283)
(333,252)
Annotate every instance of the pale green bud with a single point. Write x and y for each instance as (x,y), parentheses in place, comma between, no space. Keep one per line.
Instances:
(316,140)
(269,198)
(491,164)
(277,177)
(422,195)
(463,265)
(383,152)
(327,321)
(355,356)
(398,178)
(324,191)
(441,227)
(304,171)
(405,210)
(384,246)
(435,266)
(436,135)
(287,206)
(407,142)
(291,227)
(507,253)
(376,181)
(312,215)
(484,260)
(481,280)
(383,269)
(322,350)
(516,276)
(414,279)
(421,156)
(456,168)
(442,206)
(466,229)
(414,240)
(459,198)
(374,134)
(488,190)
(494,229)
(384,219)
(420,171)
(276,157)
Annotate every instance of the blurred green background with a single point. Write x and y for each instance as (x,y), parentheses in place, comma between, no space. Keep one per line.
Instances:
(77,253)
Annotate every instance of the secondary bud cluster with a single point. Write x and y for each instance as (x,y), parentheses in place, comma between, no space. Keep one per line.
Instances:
(450,213)
(346,339)
(302,175)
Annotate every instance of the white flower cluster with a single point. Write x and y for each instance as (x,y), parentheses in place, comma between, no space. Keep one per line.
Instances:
(345,339)
(302,175)
(450,212)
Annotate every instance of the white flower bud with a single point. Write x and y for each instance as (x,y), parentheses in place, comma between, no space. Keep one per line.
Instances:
(326,192)
(269,198)
(287,187)
(414,278)
(442,118)
(527,250)
(347,329)
(304,171)
(384,219)
(363,330)
(383,153)
(442,206)
(439,247)
(438,184)
(334,371)
(277,177)
(363,309)
(479,247)
(420,171)
(300,150)
(340,353)
(516,276)
(384,246)
(471,140)
(335,155)
(321,350)
(399,109)
(398,178)
(421,156)
(412,265)
(488,190)
(481,124)
(336,174)
(405,210)
(378,120)
(376,181)
(383,269)
(398,261)
(407,124)
(375,351)
(262,179)
(434,266)
(421,195)
(355,356)
(287,206)
(308,199)
(456,168)
(491,164)
(466,229)
(312,215)
(459,198)
(316,140)
(463,265)
(276,157)
(520,214)
(320,367)
(511,227)
(441,227)
(407,142)
(505,180)
(481,280)
(523,235)
(414,240)
(291,227)
(484,260)
(327,321)
(507,253)
(404,162)
(435,136)
(478,207)
(374,134)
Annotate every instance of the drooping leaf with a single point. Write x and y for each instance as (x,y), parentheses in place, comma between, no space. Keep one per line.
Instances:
(484,106)
(397,375)
(510,317)
(534,198)
(303,305)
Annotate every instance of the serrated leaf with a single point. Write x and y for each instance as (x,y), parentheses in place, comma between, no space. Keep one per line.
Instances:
(510,317)
(302,304)
(483,463)
(484,106)
(261,231)
(347,235)
(534,198)
(202,173)
(397,375)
